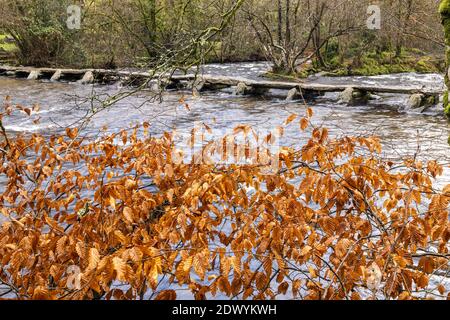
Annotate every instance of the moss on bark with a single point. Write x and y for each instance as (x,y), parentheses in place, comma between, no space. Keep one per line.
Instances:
(444,10)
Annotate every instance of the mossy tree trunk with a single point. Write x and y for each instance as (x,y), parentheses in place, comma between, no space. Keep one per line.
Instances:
(444,10)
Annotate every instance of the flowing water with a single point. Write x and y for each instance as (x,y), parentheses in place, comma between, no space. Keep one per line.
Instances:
(402,131)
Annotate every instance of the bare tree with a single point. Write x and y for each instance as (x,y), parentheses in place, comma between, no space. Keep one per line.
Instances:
(303,28)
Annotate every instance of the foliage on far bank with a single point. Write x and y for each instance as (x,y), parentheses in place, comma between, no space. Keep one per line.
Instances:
(6,44)
(370,64)
(38,27)
(131,33)
(374,63)
(288,33)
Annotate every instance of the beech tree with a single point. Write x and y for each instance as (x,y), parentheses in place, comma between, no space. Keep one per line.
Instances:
(119,218)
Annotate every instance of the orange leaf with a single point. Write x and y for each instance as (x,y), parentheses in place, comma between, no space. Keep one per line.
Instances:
(291,118)
(303,124)
(128,214)
(167,295)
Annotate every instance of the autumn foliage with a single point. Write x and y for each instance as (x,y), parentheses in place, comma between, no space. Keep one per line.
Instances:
(337,221)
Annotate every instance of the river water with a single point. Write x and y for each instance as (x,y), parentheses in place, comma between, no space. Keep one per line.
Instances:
(403,132)
(386,116)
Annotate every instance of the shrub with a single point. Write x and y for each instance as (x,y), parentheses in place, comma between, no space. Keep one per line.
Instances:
(40,32)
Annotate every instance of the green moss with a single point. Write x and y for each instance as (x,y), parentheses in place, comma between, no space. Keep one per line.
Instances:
(8,47)
(446,24)
(382,62)
(444,10)
(374,63)
(444,7)
(417,51)
(431,100)
(447,110)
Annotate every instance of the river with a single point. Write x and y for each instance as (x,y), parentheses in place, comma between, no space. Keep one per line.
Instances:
(403,132)
(386,116)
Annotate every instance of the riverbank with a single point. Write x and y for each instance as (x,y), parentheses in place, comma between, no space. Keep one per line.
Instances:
(7,49)
(369,64)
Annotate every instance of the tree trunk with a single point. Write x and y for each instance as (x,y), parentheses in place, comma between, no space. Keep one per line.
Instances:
(149,15)
(280,23)
(399,35)
(444,10)
(403,20)
(287,38)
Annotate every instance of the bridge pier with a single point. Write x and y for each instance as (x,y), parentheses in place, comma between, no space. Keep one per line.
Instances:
(134,80)
(351,96)
(197,85)
(298,94)
(243,89)
(200,85)
(56,76)
(294,94)
(420,100)
(88,78)
(34,75)
(157,85)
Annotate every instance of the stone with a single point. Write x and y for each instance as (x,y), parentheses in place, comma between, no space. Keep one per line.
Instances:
(242,89)
(34,75)
(292,94)
(154,86)
(351,95)
(346,96)
(422,102)
(198,85)
(416,101)
(88,78)
(56,76)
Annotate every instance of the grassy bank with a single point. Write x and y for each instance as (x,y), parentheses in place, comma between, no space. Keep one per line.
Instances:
(6,46)
(371,64)
(374,63)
